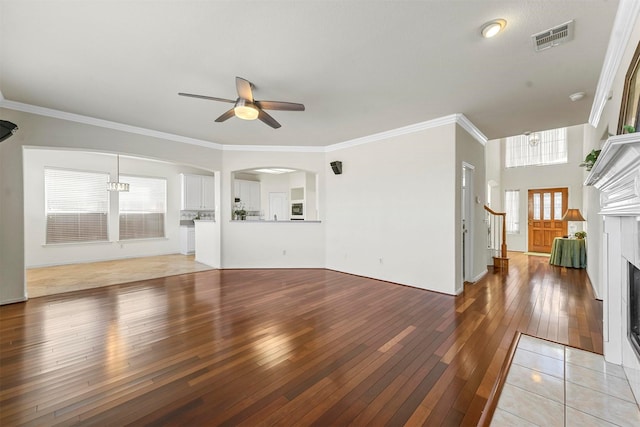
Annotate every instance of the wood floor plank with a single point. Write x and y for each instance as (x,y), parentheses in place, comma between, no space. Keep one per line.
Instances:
(280,347)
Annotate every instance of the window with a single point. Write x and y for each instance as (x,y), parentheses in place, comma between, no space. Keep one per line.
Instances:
(551,149)
(142,208)
(512,209)
(76,205)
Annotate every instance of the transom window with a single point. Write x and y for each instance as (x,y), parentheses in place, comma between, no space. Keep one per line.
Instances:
(548,147)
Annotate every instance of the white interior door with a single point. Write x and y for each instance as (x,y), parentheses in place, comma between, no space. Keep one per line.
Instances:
(278,207)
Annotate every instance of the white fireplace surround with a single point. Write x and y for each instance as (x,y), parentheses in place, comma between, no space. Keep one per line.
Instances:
(616,174)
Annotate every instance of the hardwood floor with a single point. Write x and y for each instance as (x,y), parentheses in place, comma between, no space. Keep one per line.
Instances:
(280,347)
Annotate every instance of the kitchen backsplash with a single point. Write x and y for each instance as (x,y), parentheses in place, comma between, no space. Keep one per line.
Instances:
(191,215)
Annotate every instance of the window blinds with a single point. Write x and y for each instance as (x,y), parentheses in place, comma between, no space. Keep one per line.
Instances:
(76,205)
(142,208)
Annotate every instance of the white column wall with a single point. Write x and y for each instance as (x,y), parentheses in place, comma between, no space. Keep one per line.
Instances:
(390,214)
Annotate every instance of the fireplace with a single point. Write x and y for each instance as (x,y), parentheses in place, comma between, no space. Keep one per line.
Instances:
(634,308)
(616,174)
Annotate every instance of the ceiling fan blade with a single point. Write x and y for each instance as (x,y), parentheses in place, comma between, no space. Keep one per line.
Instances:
(211,98)
(226,116)
(268,119)
(279,105)
(244,89)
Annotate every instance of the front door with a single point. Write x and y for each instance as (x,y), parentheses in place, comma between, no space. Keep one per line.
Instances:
(546,208)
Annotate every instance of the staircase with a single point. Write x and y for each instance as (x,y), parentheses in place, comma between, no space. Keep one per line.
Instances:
(497,238)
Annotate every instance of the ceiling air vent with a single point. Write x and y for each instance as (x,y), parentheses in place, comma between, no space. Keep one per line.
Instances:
(553,37)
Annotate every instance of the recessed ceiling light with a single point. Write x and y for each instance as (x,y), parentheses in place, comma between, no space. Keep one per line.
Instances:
(492,28)
(274,171)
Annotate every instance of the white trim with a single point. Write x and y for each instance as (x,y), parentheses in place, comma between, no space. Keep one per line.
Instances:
(458,118)
(479,276)
(468,165)
(276,148)
(626,16)
(466,124)
(14,300)
(417,127)
(78,118)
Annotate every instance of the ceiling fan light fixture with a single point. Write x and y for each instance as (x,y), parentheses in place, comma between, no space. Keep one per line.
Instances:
(245,110)
(492,28)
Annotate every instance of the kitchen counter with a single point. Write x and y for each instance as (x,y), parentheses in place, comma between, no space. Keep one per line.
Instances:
(207,242)
(284,221)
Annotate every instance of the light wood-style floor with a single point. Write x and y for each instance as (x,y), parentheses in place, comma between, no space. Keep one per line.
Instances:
(280,347)
(74,277)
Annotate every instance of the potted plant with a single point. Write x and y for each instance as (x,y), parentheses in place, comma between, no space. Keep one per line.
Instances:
(238,211)
(580,234)
(590,160)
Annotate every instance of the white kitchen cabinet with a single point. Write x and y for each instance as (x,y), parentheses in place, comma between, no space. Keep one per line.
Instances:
(249,194)
(197,192)
(187,240)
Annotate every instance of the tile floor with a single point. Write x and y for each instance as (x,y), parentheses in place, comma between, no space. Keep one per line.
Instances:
(550,384)
(74,277)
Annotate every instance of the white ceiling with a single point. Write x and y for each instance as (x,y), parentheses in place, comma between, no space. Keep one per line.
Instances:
(360,67)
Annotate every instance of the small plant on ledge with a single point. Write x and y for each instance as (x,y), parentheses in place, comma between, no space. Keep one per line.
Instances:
(590,160)
(580,234)
(239,213)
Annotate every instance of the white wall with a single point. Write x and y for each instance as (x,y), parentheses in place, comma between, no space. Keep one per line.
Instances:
(51,132)
(471,152)
(39,254)
(390,214)
(552,176)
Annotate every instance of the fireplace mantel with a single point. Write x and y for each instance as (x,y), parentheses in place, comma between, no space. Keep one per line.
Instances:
(616,174)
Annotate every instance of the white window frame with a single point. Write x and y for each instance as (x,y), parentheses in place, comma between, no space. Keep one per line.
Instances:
(142,219)
(551,149)
(512,209)
(76,206)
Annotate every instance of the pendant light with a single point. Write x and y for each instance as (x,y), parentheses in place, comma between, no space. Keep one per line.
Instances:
(117,185)
(533,138)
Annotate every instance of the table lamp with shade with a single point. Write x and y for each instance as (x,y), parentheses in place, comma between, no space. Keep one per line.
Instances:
(572,215)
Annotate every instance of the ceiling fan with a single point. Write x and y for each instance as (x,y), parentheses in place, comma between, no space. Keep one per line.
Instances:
(247,108)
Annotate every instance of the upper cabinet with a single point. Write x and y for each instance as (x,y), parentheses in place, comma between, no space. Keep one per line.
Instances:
(197,192)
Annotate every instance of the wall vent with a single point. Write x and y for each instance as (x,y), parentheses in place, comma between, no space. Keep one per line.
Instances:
(553,36)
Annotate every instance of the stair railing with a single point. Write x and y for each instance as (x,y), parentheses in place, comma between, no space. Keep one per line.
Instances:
(497,240)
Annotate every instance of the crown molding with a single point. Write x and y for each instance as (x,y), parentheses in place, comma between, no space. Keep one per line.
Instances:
(459,119)
(276,148)
(78,118)
(466,124)
(626,17)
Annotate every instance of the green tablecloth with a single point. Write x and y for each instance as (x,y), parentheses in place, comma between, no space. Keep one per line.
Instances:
(568,253)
